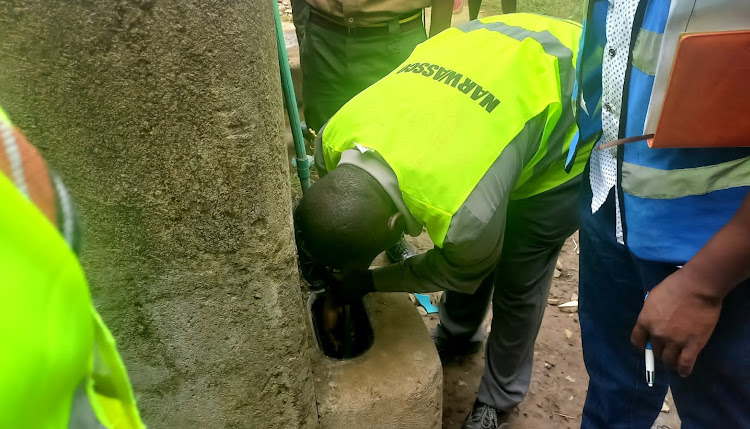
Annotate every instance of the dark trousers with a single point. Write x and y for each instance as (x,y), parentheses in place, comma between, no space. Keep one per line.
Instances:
(535,231)
(300,12)
(336,67)
(612,286)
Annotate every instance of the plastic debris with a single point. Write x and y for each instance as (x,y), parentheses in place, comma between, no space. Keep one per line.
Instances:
(569,307)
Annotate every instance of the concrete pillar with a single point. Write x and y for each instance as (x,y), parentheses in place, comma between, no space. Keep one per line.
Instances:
(396,384)
(165,120)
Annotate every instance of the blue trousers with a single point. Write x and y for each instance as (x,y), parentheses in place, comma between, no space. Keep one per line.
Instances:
(612,286)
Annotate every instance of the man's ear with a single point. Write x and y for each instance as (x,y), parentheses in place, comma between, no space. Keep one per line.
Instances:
(396,222)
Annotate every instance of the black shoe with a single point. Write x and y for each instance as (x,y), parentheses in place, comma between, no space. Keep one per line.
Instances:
(400,251)
(483,416)
(450,348)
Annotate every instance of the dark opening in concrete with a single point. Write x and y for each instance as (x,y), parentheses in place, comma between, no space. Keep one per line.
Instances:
(342,331)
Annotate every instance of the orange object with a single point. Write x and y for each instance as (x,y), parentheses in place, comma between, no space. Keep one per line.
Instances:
(707,102)
(20,161)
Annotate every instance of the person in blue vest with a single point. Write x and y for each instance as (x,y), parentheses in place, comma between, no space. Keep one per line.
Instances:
(671,222)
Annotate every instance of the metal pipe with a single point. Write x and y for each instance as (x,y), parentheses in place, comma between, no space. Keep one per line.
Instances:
(303,165)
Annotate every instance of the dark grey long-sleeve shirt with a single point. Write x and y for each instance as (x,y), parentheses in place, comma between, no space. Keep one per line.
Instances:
(474,240)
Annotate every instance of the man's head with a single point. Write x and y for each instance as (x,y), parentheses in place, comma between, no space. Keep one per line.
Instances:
(346,219)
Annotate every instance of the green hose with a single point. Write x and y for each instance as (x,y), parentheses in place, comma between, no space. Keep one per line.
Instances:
(303,166)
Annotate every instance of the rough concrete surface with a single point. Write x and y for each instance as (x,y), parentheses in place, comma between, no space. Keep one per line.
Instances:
(396,384)
(164,119)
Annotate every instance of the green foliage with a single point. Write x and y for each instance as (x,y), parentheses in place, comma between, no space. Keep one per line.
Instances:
(570,9)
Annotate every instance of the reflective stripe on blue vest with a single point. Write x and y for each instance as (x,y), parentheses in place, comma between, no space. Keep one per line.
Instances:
(674,200)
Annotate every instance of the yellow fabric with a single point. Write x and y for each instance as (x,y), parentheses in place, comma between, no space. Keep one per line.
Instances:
(110,393)
(46,332)
(3,116)
(438,164)
(52,336)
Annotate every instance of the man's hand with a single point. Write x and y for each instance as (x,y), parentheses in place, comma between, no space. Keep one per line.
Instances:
(678,319)
(352,285)
(680,313)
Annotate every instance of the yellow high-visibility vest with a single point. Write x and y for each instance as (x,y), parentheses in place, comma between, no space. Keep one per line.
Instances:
(442,118)
(59,367)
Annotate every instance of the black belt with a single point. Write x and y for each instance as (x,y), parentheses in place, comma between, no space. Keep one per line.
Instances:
(409,22)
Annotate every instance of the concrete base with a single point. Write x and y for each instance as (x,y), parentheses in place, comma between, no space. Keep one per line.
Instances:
(398,383)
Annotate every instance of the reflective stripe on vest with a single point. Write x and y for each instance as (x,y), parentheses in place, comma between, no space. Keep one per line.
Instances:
(448,109)
(657,184)
(646,51)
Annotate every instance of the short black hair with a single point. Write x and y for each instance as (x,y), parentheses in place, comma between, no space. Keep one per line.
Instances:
(343,218)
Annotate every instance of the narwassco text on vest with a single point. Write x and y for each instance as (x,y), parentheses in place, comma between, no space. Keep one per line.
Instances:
(452,78)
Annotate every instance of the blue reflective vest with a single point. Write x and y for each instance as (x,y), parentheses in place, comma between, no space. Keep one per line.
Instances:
(673,200)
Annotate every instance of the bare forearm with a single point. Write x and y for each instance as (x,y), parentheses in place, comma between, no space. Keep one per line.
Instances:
(724,262)
(441,14)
